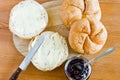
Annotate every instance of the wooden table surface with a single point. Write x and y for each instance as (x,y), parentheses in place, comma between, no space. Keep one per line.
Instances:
(108,68)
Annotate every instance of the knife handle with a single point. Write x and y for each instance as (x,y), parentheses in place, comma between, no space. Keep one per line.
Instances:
(15,74)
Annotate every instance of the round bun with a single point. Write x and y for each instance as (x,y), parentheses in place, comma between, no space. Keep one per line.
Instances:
(72,10)
(52,53)
(87,35)
(28,19)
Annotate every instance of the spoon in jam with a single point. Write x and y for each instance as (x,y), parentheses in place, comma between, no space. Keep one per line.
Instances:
(79,68)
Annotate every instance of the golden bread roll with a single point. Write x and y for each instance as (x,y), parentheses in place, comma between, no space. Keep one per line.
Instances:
(72,10)
(87,35)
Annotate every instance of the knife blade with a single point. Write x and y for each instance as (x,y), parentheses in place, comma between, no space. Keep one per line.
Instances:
(27,59)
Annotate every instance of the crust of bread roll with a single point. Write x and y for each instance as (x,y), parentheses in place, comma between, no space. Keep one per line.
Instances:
(72,10)
(93,8)
(70,15)
(87,35)
(52,53)
(28,19)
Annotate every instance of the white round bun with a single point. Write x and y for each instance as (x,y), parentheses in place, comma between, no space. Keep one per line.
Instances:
(52,53)
(28,19)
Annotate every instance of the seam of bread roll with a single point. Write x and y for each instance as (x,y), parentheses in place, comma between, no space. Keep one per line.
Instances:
(91,47)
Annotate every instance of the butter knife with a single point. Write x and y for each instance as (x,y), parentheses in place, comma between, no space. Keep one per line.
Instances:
(27,59)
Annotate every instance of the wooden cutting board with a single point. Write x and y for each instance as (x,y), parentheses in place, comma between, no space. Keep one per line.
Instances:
(54,24)
(104,69)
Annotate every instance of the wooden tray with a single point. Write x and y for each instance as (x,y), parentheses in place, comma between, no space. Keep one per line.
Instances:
(54,24)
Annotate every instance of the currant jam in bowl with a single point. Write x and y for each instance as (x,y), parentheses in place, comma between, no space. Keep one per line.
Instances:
(75,68)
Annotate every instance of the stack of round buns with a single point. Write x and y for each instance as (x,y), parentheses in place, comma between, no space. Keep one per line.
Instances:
(27,20)
(87,33)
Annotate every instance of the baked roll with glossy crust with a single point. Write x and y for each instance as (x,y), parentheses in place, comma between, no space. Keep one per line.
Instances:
(72,10)
(87,35)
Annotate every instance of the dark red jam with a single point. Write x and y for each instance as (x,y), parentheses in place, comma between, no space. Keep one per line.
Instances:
(76,70)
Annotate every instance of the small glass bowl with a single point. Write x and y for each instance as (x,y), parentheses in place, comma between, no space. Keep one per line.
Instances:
(76,70)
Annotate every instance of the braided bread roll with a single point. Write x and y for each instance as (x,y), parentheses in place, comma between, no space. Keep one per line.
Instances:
(87,35)
(72,10)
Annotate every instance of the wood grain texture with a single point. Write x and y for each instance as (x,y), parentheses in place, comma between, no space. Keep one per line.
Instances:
(107,68)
